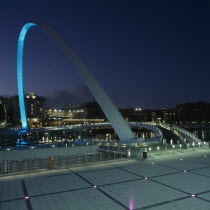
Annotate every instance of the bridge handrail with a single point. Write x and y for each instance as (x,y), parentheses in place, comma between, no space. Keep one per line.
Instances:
(181,130)
(186,133)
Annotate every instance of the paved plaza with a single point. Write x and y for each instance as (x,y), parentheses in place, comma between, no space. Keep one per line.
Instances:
(163,181)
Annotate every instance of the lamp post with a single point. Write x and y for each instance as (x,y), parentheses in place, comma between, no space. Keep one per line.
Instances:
(180,147)
(199,144)
(150,149)
(173,148)
(193,144)
(158,148)
(204,143)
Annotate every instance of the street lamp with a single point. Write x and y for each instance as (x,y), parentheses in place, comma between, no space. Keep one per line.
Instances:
(193,144)
(173,148)
(199,144)
(150,149)
(180,147)
(158,148)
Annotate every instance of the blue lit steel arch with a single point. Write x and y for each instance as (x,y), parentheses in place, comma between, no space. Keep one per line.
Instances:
(113,115)
(20,74)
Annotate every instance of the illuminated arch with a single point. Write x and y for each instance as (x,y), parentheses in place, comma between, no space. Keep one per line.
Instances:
(113,115)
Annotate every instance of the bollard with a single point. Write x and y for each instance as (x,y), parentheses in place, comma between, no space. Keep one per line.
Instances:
(128,153)
(30,165)
(85,158)
(5,167)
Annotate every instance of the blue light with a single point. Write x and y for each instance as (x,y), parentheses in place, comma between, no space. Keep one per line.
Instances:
(21,39)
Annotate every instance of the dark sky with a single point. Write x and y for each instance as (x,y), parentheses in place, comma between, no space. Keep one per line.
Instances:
(148,53)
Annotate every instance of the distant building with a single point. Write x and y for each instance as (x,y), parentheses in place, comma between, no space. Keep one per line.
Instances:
(89,110)
(35,110)
(58,113)
(170,116)
(158,115)
(198,112)
(3,110)
(136,114)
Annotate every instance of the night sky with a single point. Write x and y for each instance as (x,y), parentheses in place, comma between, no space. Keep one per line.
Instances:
(149,54)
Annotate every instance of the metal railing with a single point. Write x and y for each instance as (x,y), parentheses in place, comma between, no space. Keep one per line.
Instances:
(42,164)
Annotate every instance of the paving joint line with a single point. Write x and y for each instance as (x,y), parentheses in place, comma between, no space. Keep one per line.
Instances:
(132,180)
(162,203)
(201,193)
(151,176)
(181,169)
(170,187)
(100,190)
(130,172)
(199,174)
(27,199)
(15,199)
(203,199)
(64,191)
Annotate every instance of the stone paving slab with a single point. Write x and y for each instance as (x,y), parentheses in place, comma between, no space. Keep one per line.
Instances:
(204,171)
(203,159)
(14,205)
(150,170)
(11,190)
(45,185)
(183,164)
(76,200)
(142,193)
(185,204)
(108,176)
(187,182)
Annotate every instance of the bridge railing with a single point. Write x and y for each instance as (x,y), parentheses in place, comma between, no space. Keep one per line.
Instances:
(187,133)
(58,162)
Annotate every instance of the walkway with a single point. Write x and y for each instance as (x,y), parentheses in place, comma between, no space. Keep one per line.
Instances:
(163,181)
